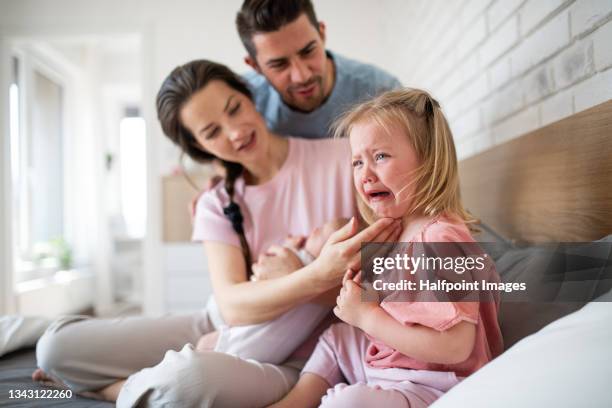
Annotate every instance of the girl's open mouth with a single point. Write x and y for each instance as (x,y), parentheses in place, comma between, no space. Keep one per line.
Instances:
(374,196)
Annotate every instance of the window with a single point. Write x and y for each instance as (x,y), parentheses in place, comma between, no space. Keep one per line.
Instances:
(132,154)
(36,108)
(14,131)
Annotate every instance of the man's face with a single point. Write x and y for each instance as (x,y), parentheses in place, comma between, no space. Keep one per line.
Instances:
(293,60)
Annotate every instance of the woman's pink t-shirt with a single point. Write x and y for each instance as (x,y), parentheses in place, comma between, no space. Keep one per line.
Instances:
(442,316)
(313,186)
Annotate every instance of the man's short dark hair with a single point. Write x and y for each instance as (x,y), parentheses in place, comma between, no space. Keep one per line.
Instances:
(264,16)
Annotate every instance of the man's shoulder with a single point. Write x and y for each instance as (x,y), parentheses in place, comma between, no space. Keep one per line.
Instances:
(265,97)
(364,73)
(256,82)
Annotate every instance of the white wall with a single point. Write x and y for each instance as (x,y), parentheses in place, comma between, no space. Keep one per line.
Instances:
(505,67)
(500,68)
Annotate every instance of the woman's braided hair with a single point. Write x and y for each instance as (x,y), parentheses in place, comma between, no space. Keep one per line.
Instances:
(176,90)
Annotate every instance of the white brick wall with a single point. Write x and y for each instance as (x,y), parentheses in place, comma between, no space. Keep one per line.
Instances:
(588,14)
(535,11)
(501,10)
(602,47)
(513,65)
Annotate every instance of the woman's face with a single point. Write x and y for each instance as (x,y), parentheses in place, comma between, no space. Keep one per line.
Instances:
(225,123)
(384,164)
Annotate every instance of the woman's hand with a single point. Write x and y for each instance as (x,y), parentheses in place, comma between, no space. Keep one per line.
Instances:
(342,249)
(351,305)
(210,183)
(276,262)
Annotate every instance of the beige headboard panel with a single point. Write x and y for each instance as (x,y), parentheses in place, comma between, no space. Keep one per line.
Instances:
(553,184)
(177,193)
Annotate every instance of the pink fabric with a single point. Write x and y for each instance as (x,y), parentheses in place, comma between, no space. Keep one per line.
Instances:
(363,395)
(442,315)
(339,359)
(313,186)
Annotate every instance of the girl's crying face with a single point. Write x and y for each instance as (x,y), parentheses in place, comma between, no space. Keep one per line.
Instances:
(384,163)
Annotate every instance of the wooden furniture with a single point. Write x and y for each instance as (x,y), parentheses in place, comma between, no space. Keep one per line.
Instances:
(177,193)
(553,184)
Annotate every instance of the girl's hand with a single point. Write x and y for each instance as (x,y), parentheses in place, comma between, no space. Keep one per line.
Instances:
(342,249)
(351,305)
(277,262)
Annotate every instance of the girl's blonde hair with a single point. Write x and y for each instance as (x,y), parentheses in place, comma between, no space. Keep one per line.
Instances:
(419,115)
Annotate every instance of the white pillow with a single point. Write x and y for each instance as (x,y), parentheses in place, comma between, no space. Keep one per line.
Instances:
(566,364)
(17,332)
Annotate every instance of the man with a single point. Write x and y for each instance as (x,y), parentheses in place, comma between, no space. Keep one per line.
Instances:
(298,86)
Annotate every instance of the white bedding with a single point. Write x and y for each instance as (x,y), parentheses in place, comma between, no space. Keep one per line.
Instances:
(18,332)
(568,363)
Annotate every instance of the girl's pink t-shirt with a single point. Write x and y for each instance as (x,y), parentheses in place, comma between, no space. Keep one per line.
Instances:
(442,316)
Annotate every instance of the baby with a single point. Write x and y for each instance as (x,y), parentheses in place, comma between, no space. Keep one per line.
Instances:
(315,241)
(273,341)
(306,249)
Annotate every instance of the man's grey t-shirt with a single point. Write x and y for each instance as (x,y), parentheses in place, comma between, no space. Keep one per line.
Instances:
(355,82)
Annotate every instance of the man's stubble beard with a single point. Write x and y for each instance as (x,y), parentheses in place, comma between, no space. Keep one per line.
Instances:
(315,101)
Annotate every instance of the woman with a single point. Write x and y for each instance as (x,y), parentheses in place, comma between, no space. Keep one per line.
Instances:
(274,187)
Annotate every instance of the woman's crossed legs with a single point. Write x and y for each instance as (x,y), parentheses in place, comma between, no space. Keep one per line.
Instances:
(90,355)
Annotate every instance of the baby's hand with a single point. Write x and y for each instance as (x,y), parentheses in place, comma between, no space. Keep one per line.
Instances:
(295,241)
(349,304)
(277,262)
(208,341)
